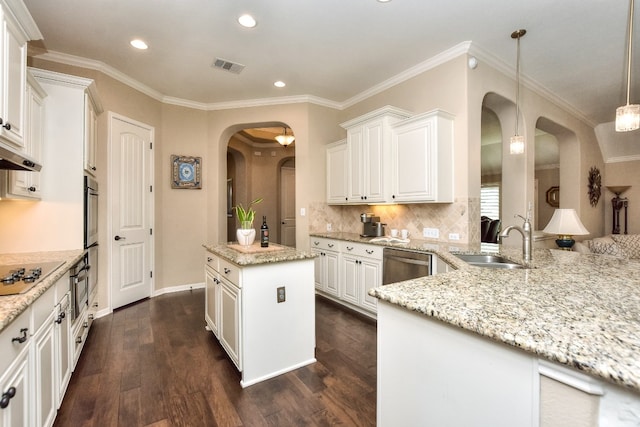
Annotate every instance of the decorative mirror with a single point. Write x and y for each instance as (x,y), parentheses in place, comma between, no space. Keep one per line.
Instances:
(553,196)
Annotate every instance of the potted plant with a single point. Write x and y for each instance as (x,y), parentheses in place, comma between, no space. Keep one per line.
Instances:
(246,234)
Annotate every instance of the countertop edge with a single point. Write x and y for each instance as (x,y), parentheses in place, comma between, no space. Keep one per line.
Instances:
(12,306)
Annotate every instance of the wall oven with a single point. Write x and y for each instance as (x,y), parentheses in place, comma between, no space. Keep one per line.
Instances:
(90,212)
(79,284)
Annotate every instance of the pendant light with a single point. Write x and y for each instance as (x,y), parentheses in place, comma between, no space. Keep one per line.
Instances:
(628,116)
(284,139)
(516,143)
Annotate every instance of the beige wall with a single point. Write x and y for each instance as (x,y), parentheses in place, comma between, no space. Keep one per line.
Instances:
(184,219)
(518,187)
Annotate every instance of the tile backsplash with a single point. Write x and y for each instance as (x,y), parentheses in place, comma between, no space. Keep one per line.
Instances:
(446,217)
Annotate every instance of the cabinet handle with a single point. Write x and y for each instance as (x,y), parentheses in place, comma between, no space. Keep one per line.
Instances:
(7,396)
(119,238)
(349,248)
(90,317)
(93,168)
(226,270)
(32,188)
(315,242)
(79,340)
(60,317)
(95,304)
(85,325)
(7,126)
(330,245)
(209,259)
(369,251)
(21,339)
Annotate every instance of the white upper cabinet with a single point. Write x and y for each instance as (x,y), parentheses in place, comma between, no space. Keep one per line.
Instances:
(18,184)
(93,107)
(337,170)
(368,150)
(422,159)
(18,27)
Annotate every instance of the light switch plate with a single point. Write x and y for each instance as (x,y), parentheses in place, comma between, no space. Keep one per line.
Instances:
(454,236)
(282,296)
(432,233)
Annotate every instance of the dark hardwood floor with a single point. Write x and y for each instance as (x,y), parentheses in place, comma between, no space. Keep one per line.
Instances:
(154,364)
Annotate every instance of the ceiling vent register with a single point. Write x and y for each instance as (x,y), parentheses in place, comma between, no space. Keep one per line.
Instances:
(226,65)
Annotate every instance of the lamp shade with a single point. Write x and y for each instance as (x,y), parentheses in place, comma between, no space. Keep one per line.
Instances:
(565,222)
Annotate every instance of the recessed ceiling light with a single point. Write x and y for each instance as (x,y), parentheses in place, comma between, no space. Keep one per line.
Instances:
(247,21)
(279,83)
(139,44)
(384,1)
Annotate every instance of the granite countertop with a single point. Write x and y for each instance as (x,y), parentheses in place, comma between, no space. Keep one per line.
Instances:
(255,255)
(11,306)
(579,310)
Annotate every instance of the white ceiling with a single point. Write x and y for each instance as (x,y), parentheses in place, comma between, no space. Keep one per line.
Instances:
(336,51)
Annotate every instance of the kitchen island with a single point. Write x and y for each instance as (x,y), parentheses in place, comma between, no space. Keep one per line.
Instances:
(478,346)
(260,305)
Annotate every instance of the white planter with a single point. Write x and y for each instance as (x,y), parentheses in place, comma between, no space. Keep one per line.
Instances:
(246,236)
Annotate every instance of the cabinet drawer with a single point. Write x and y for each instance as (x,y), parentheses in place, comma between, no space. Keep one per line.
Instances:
(362,250)
(325,244)
(42,308)
(230,272)
(211,260)
(11,349)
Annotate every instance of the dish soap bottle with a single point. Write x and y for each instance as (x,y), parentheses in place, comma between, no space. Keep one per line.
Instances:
(264,233)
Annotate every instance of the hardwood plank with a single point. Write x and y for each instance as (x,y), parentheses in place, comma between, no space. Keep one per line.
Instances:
(154,364)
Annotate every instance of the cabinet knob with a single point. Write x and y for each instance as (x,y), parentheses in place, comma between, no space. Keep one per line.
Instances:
(119,238)
(32,189)
(93,168)
(79,340)
(7,126)
(61,316)
(7,396)
(209,259)
(22,338)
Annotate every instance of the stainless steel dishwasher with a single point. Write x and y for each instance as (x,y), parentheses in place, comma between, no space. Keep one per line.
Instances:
(403,264)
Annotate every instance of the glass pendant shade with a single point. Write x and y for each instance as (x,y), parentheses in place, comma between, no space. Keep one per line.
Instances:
(516,144)
(628,118)
(285,139)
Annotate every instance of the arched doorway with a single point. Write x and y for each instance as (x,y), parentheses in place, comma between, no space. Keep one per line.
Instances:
(255,163)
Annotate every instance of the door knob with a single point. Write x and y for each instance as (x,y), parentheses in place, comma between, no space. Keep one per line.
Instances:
(119,238)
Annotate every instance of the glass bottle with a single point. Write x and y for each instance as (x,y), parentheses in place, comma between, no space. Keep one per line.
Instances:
(264,233)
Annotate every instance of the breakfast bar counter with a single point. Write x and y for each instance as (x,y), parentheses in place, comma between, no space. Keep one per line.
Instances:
(572,314)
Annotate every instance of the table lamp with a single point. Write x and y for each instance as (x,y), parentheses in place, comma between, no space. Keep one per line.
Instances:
(566,224)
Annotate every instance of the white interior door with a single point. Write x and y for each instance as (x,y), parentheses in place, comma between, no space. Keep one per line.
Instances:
(288,206)
(131,211)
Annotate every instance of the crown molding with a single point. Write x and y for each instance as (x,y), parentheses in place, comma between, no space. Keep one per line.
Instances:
(620,159)
(466,47)
(485,56)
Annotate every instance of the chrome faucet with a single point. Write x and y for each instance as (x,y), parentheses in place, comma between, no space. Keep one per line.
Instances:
(527,241)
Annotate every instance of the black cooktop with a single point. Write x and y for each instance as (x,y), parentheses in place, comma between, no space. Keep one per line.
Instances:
(20,278)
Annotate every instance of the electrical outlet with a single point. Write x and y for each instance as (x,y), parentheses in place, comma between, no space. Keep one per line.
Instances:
(432,233)
(328,226)
(454,236)
(282,296)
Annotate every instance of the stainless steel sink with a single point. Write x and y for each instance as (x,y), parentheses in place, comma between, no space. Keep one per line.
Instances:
(488,261)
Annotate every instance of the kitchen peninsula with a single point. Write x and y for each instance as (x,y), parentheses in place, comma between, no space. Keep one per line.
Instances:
(479,346)
(260,305)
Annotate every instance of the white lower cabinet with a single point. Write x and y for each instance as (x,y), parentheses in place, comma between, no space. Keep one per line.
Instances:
(346,271)
(263,335)
(229,332)
(16,403)
(37,358)
(326,265)
(361,270)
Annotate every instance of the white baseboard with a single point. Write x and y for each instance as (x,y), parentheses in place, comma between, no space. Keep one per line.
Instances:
(178,288)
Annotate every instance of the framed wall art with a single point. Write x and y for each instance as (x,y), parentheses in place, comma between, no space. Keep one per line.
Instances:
(185,172)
